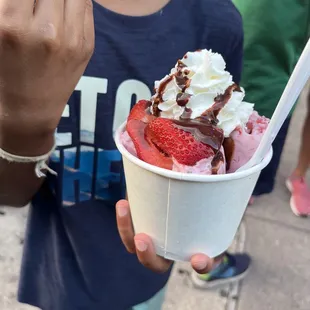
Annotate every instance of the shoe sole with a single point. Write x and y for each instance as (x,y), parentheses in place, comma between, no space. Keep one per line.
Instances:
(292,204)
(201,284)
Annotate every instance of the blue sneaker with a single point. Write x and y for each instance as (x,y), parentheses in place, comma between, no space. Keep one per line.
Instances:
(233,268)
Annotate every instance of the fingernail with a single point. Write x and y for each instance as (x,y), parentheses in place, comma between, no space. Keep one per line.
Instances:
(122,211)
(141,245)
(201,265)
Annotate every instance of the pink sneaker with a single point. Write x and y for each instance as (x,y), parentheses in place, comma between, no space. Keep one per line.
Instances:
(300,200)
(251,201)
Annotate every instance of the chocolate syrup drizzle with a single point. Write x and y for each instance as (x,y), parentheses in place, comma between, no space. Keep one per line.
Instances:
(220,101)
(182,99)
(159,97)
(182,81)
(203,128)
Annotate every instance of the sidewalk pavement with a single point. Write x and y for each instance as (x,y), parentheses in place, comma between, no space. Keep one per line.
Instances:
(278,242)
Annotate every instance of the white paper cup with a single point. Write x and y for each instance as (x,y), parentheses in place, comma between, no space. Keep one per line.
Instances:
(186,214)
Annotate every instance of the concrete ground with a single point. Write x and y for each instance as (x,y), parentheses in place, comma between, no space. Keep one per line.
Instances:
(278,241)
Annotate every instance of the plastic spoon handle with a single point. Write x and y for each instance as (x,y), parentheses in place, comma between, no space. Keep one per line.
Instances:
(291,92)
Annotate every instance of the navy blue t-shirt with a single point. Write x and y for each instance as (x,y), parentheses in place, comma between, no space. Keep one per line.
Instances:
(73,256)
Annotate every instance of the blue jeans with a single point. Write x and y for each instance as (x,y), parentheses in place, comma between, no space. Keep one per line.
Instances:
(155,303)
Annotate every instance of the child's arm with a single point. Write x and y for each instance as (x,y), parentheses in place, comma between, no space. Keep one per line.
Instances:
(42,59)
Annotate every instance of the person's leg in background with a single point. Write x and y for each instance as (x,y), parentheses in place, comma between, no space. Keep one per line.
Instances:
(155,303)
(300,200)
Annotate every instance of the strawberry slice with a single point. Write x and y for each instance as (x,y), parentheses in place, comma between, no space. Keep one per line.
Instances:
(140,112)
(176,143)
(146,151)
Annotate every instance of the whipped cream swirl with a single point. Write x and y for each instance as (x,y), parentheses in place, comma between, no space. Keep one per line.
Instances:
(192,88)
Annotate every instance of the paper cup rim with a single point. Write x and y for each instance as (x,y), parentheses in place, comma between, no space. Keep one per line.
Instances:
(187,176)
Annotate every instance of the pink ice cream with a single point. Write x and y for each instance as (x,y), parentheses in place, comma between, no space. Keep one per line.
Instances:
(246,141)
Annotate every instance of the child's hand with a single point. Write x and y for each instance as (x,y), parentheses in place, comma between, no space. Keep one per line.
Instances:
(44,50)
(142,245)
